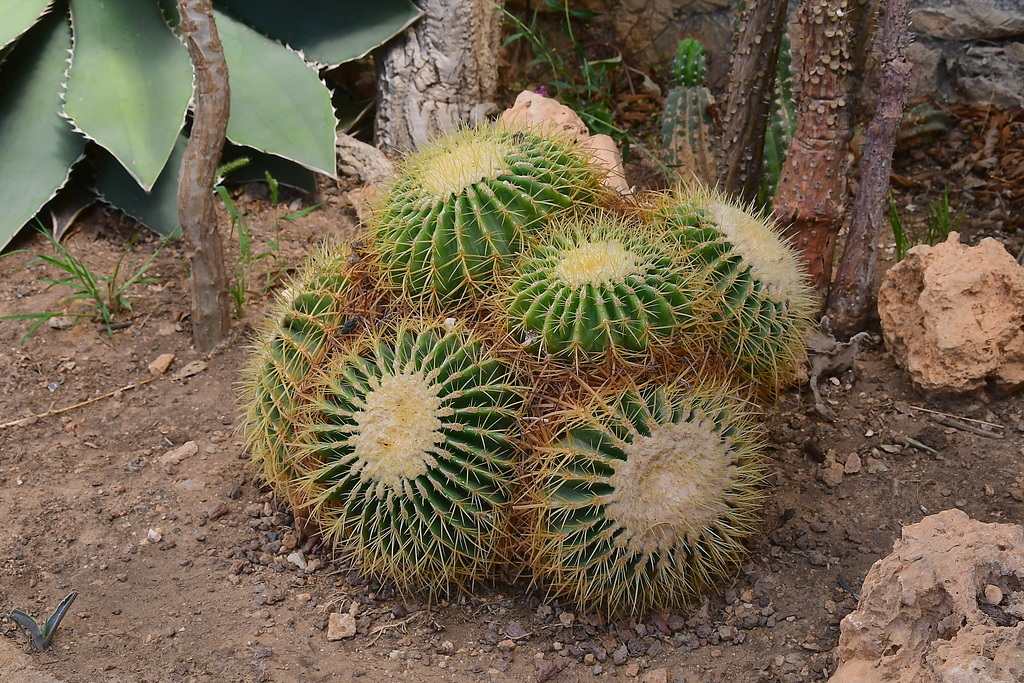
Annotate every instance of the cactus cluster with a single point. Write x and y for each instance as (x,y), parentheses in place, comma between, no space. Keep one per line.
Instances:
(518,367)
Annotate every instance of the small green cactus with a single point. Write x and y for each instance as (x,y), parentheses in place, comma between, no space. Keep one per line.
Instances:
(689,66)
(642,500)
(687,131)
(781,124)
(596,285)
(407,453)
(764,305)
(462,207)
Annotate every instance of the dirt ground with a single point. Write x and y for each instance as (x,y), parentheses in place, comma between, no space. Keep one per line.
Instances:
(191,571)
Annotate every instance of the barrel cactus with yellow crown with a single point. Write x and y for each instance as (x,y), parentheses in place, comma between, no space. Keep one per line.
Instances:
(462,208)
(597,284)
(763,303)
(644,497)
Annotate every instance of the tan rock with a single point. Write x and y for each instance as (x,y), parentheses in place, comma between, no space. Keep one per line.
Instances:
(341,626)
(161,363)
(182,452)
(833,474)
(533,110)
(953,316)
(655,676)
(919,619)
(853,464)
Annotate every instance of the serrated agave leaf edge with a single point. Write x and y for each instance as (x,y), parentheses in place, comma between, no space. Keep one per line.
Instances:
(74,126)
(46,8)
(313,66)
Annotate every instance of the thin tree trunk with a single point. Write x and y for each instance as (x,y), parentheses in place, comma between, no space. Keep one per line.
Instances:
(811,198)
(441,72)
(755,58)
(850,300)
(211,310)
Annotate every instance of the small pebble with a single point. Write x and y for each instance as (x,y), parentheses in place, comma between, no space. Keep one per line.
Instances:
(993,595)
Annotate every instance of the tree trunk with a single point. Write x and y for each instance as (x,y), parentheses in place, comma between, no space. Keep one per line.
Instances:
(850,300)
(811,198)
(755,57)
(211,310)
(441,72)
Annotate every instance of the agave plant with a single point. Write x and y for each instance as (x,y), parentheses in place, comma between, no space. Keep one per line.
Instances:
(117,74)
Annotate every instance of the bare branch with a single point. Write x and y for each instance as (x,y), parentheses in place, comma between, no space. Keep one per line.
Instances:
(211,312)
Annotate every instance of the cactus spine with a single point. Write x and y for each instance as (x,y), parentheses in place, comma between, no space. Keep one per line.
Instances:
(764,304)
(597,285)
(407,454)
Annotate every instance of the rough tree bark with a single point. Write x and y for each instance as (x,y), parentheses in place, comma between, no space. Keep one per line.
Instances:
(811,197)
(439,73)
(850,299)
(752,71)
(211,311)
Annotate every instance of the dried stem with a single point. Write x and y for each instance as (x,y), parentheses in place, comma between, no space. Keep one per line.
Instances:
(850,301)
(211,310)
(811,198)
(755,57)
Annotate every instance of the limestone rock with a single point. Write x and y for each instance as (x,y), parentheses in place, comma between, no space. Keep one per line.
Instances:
(534,110)
(920,617)
(953,316)
(990,74)
(975,20)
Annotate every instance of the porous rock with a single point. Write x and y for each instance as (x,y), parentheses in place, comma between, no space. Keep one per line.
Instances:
(534,110)
(953,316)
(920,616)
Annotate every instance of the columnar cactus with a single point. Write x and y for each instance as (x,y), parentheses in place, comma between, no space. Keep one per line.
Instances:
(686,125)
(642,499)
(463,206)
(597,284)
(406,455)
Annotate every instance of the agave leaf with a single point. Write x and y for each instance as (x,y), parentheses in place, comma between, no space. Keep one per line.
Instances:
(50,628)
(130,82)
(278,104)
(158,209)
(29,626)
(326,31)
(19,16)
(37,146)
